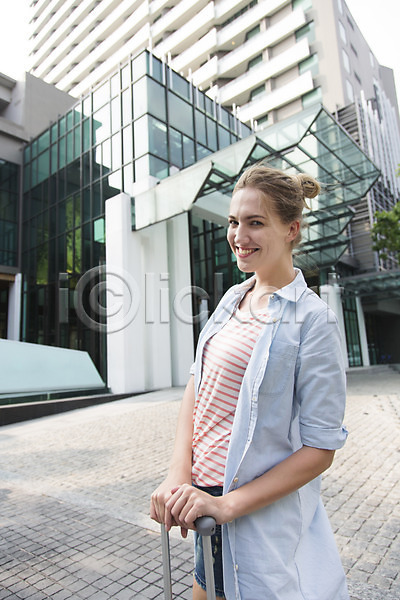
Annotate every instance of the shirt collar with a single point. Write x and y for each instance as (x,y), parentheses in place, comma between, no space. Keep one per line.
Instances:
(291,292)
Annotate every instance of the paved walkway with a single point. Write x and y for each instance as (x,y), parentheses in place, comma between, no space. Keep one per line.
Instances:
(75,488)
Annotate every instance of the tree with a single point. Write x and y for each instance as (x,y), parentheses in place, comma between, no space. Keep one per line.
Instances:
(386,232)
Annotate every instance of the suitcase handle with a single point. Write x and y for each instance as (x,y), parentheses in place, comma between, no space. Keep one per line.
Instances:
(205,525)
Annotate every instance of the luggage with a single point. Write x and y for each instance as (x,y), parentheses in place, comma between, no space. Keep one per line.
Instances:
(205,526)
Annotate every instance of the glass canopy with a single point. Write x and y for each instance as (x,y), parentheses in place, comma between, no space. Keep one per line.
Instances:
(312,142)
(378,286)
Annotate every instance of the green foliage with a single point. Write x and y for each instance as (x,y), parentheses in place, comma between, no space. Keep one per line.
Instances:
(386,232)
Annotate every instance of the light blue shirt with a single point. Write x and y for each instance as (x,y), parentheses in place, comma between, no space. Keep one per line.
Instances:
(293,394)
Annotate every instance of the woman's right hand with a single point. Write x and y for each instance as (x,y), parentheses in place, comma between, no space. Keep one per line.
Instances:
(160,497)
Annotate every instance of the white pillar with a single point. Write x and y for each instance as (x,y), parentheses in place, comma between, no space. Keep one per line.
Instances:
(332,296)
(138,302)
(14,308)
(362,333)
(125,322)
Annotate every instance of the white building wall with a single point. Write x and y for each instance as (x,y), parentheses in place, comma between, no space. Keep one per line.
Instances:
(149,326)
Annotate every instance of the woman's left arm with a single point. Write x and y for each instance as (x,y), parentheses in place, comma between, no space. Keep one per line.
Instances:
(187,503)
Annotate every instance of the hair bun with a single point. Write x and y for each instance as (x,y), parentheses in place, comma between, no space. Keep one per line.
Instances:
(311,187)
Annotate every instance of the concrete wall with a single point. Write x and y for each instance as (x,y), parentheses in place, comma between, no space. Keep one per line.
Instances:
(35,104)
(28,109)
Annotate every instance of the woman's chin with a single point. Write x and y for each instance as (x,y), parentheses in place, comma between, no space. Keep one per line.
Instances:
(242,266)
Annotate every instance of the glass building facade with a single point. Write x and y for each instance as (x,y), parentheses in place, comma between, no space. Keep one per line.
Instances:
(145,120)
(9,215)
(9,195)
(314,143)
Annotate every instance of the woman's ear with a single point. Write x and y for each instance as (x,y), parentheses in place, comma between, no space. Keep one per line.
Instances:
(294,229)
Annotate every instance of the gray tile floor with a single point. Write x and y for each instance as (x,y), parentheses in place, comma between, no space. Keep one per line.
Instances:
(75,488)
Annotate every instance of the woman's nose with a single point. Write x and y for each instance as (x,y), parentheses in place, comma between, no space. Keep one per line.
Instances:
(241,234)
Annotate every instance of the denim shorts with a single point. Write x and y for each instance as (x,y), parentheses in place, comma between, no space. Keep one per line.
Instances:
(216,546)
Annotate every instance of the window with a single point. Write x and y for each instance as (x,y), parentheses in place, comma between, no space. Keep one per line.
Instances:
(239,13)
(346,61)
(313,97)
(101,95)
(262,121)
(354,50)
(349,91)
(308,31)
(201,134)
(180,85)
(254,61)
(180,114)
(258,90)
(303,4)
(371,59)
(175,148)
(158,144)
(342,32)
(309,64)
(252,32)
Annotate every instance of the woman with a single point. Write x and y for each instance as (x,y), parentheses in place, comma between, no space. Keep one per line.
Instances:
(261,416)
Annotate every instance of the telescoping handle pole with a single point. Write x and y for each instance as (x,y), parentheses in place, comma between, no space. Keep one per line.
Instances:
(205,526)
(166,563)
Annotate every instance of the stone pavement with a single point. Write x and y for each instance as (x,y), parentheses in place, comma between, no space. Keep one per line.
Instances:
(75,488)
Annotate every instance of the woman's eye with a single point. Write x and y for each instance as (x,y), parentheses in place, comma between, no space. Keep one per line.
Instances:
(256,223)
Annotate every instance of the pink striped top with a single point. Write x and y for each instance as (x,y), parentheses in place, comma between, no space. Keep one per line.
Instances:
(225,359)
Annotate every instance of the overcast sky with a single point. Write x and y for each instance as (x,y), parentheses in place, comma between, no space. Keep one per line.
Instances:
(378,21)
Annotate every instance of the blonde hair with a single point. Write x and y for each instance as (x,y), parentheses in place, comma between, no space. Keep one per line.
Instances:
(286,194)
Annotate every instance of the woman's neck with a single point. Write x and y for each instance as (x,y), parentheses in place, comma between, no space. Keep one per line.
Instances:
(269,283)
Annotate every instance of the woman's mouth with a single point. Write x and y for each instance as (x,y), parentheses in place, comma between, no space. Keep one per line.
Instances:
(245,252)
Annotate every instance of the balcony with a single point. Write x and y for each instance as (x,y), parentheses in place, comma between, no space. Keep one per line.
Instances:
(228,65)
(157,6)
(110,51)
(110,31)
(176,17)
(61,38)
(279,97)
(197,54)
(196,27)
(235,31)
(262,72)
(235,62)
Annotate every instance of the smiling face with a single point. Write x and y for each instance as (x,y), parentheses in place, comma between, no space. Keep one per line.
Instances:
(260,241)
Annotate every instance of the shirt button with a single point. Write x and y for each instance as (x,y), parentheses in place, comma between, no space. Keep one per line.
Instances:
(272,296)
(236,480)
(236,567)
(274,320)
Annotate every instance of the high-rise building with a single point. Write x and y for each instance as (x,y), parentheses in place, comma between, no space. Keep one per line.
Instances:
(267,58)
(264,60)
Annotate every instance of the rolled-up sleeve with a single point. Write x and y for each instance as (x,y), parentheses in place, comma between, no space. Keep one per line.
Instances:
(321,384)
